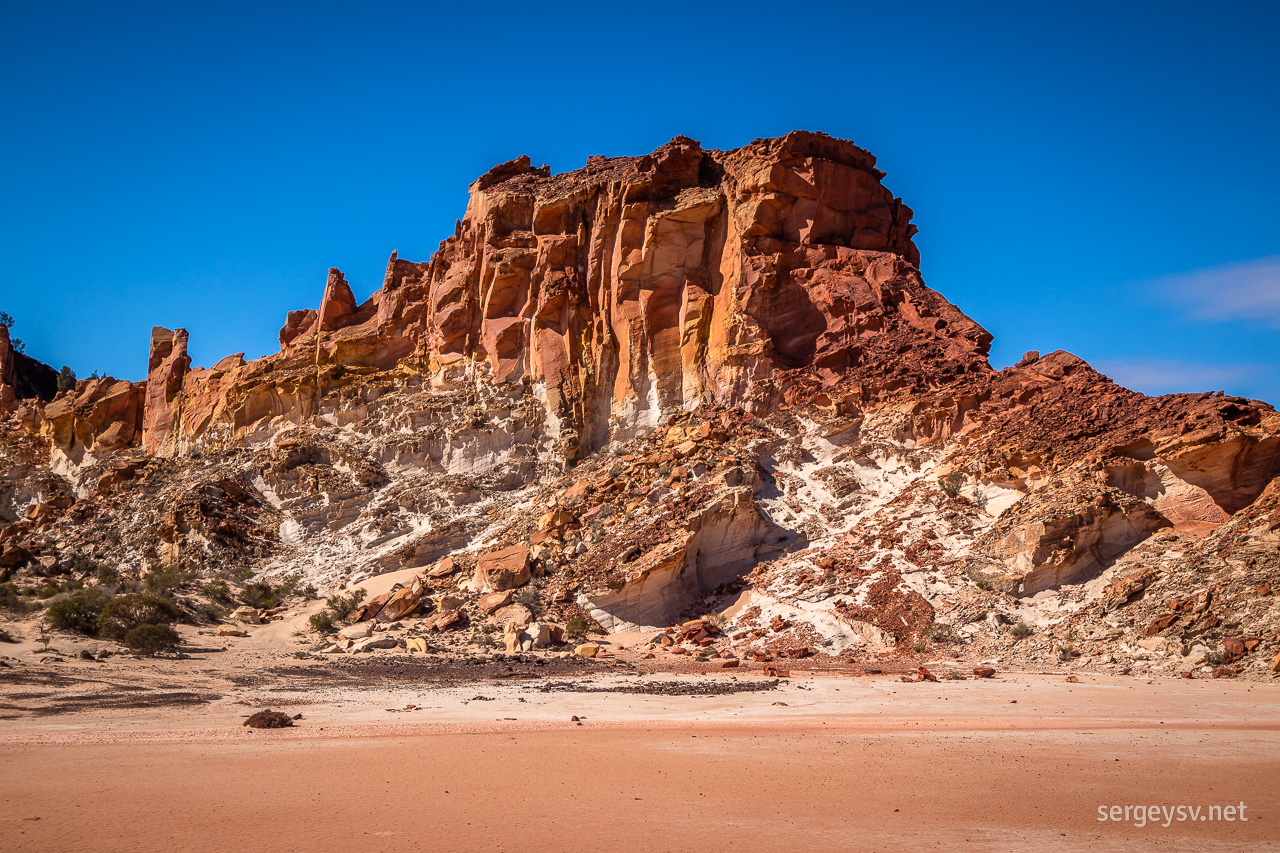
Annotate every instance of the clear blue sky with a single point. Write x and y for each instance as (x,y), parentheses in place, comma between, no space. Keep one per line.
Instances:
(1101,178)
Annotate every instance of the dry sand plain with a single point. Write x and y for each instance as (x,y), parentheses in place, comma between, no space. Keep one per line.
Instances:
(152,756)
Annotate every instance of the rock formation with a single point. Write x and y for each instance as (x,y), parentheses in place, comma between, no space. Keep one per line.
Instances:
(655,384)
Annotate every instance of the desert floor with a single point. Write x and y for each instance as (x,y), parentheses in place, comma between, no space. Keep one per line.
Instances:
(152,756)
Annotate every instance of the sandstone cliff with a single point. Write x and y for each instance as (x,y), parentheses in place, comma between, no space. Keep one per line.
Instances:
(675,380)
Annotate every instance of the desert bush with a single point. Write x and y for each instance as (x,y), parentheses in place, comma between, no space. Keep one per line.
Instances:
(123,614)
(168,579)
(951,484)
(109,576)
(716,620)
(528,596)
(11,598)
(576,628)
(1022,630)
(152,638)
(322,622)
(341,604)
(80,612)
(939,632)
(261,595)
(50,587)
(1066,653)
(218,589)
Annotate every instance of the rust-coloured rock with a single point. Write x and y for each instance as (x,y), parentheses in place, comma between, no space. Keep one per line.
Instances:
(401,603)
(507,568)
(491,602)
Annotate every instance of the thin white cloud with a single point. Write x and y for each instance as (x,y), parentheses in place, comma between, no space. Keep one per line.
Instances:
(1170,376)
(1247,290)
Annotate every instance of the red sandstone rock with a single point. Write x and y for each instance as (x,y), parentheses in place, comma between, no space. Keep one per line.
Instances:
(494,601)
(984,672)
(504,569)
(401,603)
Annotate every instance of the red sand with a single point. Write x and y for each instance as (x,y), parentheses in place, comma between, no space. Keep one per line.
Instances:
(893,781)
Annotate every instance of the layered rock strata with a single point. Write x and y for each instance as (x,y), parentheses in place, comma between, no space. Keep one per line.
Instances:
(651,386)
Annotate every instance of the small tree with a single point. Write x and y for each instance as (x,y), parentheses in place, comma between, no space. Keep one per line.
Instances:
(15,344)
(66,379)
(951,483)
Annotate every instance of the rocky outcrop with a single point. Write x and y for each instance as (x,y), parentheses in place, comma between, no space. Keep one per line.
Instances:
(22,377)
(623,292)
(663,387)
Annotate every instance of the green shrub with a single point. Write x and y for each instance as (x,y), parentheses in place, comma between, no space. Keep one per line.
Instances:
(11,598)
(50,587)
(152,638)
(576,628)
(80,612)
(951,484)
(322,622)
(168,579)
(341,605)
(1022,630)
(109,576)
(66,379)
(127,612)
(218,588)
(261,595)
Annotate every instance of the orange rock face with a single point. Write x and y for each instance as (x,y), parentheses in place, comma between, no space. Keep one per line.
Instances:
(623,292)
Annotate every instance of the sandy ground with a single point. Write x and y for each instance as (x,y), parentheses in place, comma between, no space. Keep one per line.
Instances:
(812,762)
(448,753)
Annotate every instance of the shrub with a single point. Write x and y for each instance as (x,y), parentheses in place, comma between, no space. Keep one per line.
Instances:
(341,605)
(66,379)
(322,622)
(127,612)
(109,576)
(716,620)
(939,632)
(218,588)
(152,638)
(1022,630)
(80,612)
(951,484)
(1066,653)
(261,595)
(50,587)
(576,628)
(166,579)
(11,598)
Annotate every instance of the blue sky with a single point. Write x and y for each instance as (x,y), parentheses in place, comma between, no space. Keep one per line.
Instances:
(1100,178)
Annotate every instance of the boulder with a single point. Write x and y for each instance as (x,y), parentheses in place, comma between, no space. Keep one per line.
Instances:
(587,650)
(517,613)
(269,719)
(231,631)
(358,631)
(444,567)
(504,569)
(247,615)
(399,605)
(442,621)
(493,601)
(984,672)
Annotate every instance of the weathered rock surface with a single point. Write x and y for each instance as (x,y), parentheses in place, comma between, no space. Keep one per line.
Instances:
(663,385)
